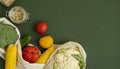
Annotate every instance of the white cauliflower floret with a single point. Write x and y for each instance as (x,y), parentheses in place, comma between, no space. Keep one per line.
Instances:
(65,60)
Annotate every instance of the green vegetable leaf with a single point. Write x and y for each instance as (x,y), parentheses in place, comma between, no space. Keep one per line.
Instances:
(80,59)
(8,35)
(61,51)
(55,66)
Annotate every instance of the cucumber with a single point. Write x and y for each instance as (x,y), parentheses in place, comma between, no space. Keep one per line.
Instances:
(25,40)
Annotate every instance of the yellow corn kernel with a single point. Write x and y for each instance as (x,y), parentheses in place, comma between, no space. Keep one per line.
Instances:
(11,57)
(44,57)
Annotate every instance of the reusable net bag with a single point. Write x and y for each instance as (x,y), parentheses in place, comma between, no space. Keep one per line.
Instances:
(21,63)
(70,44)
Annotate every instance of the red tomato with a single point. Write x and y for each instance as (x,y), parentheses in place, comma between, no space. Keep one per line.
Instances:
(31,53)
(42,27)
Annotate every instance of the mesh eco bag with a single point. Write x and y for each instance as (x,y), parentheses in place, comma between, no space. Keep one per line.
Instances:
(21,63)
(70,44)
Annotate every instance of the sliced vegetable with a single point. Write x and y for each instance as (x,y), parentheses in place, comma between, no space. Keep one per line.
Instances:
(11,57)
(80,59)
(26,40)
(8,35)
(44,57)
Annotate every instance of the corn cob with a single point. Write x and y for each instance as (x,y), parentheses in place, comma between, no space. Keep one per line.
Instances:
(11,56)
(44,57)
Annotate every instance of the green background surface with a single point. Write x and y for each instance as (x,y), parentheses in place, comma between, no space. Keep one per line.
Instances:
(95,24)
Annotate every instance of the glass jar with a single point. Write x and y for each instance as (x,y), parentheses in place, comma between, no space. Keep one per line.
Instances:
(17,15)
(7,2)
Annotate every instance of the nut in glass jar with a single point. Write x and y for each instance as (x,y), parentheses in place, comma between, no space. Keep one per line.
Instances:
(17,15)
(7,3)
